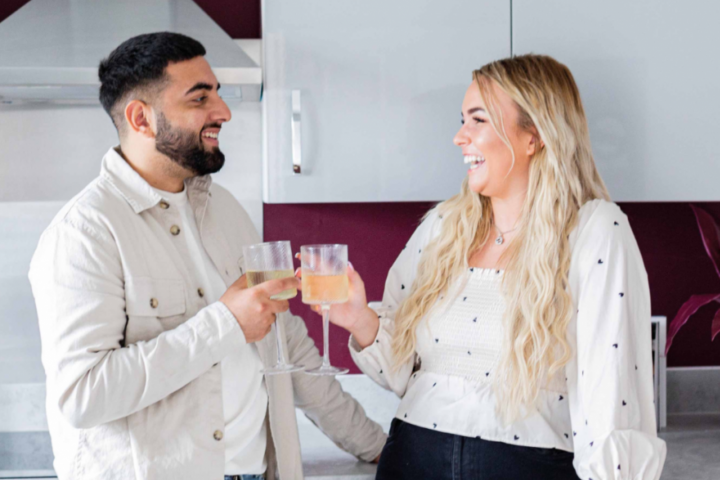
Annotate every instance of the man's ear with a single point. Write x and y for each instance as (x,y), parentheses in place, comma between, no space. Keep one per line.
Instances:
(140,118)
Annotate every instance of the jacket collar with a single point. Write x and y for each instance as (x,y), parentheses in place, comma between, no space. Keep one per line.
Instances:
(135,189)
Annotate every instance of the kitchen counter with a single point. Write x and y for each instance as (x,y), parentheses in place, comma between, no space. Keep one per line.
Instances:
(29,454)
(693,441)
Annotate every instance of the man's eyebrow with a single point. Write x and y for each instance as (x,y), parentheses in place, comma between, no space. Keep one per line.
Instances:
(201,86)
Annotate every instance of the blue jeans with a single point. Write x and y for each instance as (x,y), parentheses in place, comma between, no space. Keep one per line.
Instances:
(245,477)
(419,453)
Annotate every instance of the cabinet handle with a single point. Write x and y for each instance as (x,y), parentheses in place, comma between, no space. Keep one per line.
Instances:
(296,139)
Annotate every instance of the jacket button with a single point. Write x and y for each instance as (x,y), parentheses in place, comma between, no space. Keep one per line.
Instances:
(201,292)
(175,230)
(154,302)
(218,435)
(164,205)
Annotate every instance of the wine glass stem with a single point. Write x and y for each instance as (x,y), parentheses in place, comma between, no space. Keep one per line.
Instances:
(326,335)
(279,334)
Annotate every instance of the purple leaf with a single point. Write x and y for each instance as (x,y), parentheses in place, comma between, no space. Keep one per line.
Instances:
(688,308)
(710,233)
(715,325)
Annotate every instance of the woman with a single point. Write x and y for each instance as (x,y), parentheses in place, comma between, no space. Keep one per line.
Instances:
(517,329)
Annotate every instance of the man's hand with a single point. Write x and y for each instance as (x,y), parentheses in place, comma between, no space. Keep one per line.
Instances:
(254,311)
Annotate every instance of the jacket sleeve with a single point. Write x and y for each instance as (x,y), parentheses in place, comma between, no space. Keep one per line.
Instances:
(337,414)
(376,360)
(610,386)
(78,285)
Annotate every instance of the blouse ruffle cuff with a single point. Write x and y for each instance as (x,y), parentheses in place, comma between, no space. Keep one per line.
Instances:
(624,454)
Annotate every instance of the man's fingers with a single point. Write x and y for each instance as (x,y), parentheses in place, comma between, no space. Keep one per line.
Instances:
(273,287)
(279,306)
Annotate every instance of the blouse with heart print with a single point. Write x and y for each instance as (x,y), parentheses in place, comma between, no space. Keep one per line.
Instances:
(600,407)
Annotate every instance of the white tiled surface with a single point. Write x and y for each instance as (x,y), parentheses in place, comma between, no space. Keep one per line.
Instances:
(694,390)
(21,224)
(22,408)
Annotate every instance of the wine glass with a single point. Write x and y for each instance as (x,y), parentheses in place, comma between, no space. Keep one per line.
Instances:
(271,261)
(324,282)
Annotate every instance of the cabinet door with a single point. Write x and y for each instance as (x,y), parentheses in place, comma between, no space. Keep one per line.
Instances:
(647,72)
(380,84)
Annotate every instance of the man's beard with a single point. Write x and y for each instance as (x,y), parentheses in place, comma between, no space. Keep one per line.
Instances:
(186,148)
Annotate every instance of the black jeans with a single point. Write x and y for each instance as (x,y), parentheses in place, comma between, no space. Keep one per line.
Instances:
(421,454)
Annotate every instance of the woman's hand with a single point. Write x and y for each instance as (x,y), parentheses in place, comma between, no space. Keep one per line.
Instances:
(354,315)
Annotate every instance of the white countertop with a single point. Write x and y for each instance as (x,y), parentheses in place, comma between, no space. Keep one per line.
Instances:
(322,459)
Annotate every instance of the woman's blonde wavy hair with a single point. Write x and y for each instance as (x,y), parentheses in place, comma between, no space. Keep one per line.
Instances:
(562,178)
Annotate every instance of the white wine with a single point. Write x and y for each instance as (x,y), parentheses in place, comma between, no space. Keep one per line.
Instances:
(319,289)
(256,278)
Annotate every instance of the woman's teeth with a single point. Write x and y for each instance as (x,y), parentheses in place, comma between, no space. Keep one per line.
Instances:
(474,160)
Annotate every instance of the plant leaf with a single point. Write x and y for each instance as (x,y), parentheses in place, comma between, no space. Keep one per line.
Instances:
(715,329)
(710,233)
(688,308)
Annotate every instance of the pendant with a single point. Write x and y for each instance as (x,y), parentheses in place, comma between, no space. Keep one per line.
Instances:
(499,240)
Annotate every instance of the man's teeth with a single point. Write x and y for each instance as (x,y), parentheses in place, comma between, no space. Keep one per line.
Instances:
(210,135)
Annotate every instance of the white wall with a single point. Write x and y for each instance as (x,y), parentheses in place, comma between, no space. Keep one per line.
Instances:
(47,155)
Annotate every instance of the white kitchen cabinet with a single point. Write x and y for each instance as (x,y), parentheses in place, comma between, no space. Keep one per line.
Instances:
(380,86)
(648,76)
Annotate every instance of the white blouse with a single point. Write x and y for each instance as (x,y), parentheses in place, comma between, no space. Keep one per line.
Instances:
(601,408)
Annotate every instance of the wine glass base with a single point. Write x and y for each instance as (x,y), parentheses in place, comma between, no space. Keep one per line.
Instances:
(278,369)
(327,371)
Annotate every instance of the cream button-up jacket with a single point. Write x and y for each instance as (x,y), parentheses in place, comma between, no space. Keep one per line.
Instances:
(131,349)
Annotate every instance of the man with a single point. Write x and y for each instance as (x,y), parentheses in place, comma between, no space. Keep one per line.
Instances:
(152,342)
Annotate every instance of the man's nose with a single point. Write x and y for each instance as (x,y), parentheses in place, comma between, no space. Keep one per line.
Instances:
(221,112)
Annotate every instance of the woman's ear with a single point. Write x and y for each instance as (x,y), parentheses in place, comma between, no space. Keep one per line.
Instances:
(535,144)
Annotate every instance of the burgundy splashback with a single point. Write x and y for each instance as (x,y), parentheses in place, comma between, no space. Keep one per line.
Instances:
(8,7)
(239,18)
(668,237)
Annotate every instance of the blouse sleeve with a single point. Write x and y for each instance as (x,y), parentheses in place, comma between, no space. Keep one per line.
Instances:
(376,360)
(610,386)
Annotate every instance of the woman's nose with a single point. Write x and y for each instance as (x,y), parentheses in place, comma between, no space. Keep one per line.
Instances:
(461,139)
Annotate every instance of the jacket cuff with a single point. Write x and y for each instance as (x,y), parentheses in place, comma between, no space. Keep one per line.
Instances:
(376,450)
(220,330)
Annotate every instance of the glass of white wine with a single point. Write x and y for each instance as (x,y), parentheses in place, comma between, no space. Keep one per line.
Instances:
(271,261)
(324,282)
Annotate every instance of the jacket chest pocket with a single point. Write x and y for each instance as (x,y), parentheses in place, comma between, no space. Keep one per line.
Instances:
(152,297)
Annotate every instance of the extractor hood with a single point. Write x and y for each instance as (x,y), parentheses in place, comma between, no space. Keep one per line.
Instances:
(50,49)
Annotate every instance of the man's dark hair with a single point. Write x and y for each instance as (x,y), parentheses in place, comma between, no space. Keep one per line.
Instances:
(138,65)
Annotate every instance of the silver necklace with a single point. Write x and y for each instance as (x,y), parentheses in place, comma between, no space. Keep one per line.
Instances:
(500,240)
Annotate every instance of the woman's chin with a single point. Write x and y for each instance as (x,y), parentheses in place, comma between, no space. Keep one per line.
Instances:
(478,187)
